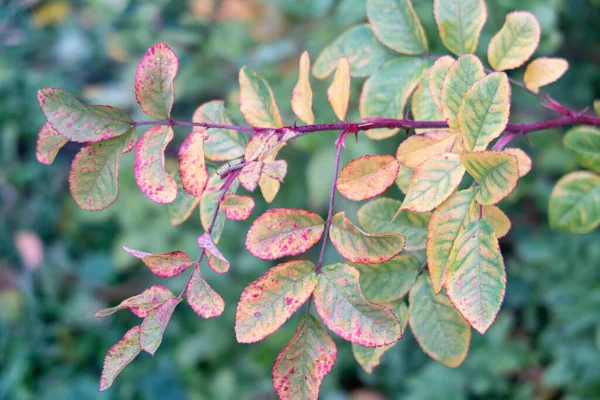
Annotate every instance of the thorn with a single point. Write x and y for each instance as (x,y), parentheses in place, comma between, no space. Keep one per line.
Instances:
(528,141)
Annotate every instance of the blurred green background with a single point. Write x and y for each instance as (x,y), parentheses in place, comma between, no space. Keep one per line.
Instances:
(58,264)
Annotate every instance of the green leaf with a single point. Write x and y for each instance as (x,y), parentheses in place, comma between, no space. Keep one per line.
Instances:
(397,26)
(422,105)
(300,368)
(257,102)
(345,311)
(154,78)
(388,281)
(483,113)
(141,304)
(497,174)
(165,265)
(440,330)
(192,165)
(437,75)
(584,143)
(476,280)
(377,216)
(460,76)
(433,182)
(271,300)
(515,43)
(81,123)
(460,23)
(367,176)
(575,203)
(93,179)
(48,144)
(236,207)
(119,356)
(216,261)
(282,232)
(208,204)
(183,205)
(155,323)
(202,298)
(149,168)
(302,95)
(543,71)
(386,92)
(222,144)
(359,45)
(446,224)
(360,247)
(416,149)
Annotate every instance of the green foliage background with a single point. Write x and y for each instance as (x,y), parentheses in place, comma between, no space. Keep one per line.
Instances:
(545,343)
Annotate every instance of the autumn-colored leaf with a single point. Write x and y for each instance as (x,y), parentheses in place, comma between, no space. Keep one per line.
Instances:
(440,330)
(422,106)
(275,169)
(257,102)
(250,175)
(183,205)
(155,323)
(301,366)
(192,165)
(284,232)
(341,305)
(164,265)
(388,281)
(575,203)
(222,144)
(460,23)
(202,298)
(367,177)
(499,221)
(543,71)
(338,93)
(433,181)
(271,300)
(269,187)
(416,149)
(48,144)
(119,356)
(397,25)
(437,75)
(141,304)
(216,261)
(208,204)
(154,81)
(584,143)
(236,207)
(476,280)
(522,159)
(149,168)
(302,94)
(497,174)
(512,46)
(403,180)
(360,247)
(81,123)
(483,113)
(264,146)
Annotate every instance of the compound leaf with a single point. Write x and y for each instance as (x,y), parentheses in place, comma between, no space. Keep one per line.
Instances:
(460,23)
(515,42)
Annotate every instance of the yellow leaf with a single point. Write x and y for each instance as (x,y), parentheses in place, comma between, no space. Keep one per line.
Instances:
(522,159)
(257,102)
(543,71)
(302,94)
(339,91)
(51,13)
(416,149)
(499,221)
(512,46)
(437,74)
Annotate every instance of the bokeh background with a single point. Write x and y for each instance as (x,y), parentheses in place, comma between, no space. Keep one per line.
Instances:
(58,264)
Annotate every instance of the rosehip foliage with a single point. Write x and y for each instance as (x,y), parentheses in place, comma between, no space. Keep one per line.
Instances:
(429,261)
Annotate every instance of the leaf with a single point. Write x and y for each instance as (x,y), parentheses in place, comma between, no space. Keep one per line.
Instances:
(216,261)
(437,75)
(497,174)
(446,224)
(262,146)
(416,149)
(403,180)
(302,94)
(222,144)
(250,174)
(463,73)
(360,247)
(367,177)
(460,23)
(440,330)
(514,44)
(499,221)
(154,78)
(202,298)
(282,232)
(522,159)
(271,300)
(183,206)
(208,205)
(584,143)
(387,90)
(141,304)
(397,26)
(119,356)
(257,102)
(432,182)
(345,311)
(48,144)
(149,168)
(388,281)
(377,216)
(81,123)
(575,203)
(543,71)
(483,113)
(155,323)
(269,187)
(301,366)
(597,107)
(192,165)
(236,207)
(359,45)
(422,105)
(338,93)
(93,179)
(165,265)
(276,169)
